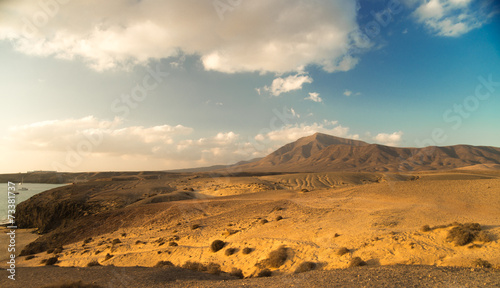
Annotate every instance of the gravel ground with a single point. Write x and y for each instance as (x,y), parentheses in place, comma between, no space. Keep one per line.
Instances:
(138,277)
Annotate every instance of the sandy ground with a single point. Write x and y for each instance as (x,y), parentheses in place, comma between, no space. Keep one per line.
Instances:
(376,217)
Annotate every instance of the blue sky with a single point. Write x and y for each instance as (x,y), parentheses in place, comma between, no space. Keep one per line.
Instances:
(152,85)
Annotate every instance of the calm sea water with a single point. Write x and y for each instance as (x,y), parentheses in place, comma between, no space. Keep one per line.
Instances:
(33,189)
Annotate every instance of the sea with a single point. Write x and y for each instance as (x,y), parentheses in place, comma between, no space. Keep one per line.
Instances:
(33,189)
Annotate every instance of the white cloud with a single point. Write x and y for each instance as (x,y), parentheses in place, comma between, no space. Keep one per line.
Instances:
(451,18)
(290,83)
(349,93)
(313,96)
(266,36)
(393,139)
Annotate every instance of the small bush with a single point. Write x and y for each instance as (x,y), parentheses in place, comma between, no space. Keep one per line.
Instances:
(483,236)
(305,266)
(265,273)
(263,221)
(213,268)
(459,235)
(78,284)
(481,263)
(29,257)
(342,251)
(230,251)
(58,250)
(304,190)
(472,226)
(50,261)
(164,264)
(139,242)
(278,218)
(247,250)
(108,256)
(93,263)
(50,251)
(116,241)
(195,266)
(425,228)
(356,261)
(173,244)
(88,240)
(278,257)
(195,226)
(217,245)
(237,273)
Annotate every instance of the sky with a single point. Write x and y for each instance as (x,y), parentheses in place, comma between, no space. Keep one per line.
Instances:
(157,85)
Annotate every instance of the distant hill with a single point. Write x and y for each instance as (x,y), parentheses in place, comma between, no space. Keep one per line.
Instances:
(211,168)
(322,153)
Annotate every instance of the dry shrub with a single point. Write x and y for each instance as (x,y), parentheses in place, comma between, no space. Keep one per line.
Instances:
(278,218)
(217,245)
(483,236)
(164,264)
(173,244)
(265,273)
(50,251)
(50,261)
(237,273)
(213,268)
(263,221)
(230,251)
(77,284)
(356,261)
(58,250)
(277,257)
(471,226)
(195,226)
(305,266)
(425,228)
(247,250)
(29,257)
(342,251)
(459,235)
(481,263)
(116,241)
(139,242)
(195,266)
(108,256)
(93,263)
(304,190)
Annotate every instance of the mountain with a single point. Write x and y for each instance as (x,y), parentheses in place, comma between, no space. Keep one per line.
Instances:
(321,153)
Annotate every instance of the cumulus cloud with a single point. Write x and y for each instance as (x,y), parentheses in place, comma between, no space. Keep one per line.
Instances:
(313,96)
(265,36)
(393,139)
(293,82)
(95,135)
(452,18)
(347,93)
(90,138)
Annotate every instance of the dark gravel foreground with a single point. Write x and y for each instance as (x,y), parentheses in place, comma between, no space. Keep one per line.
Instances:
(139,277)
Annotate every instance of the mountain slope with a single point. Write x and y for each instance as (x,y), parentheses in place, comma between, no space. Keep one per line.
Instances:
(321,152)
